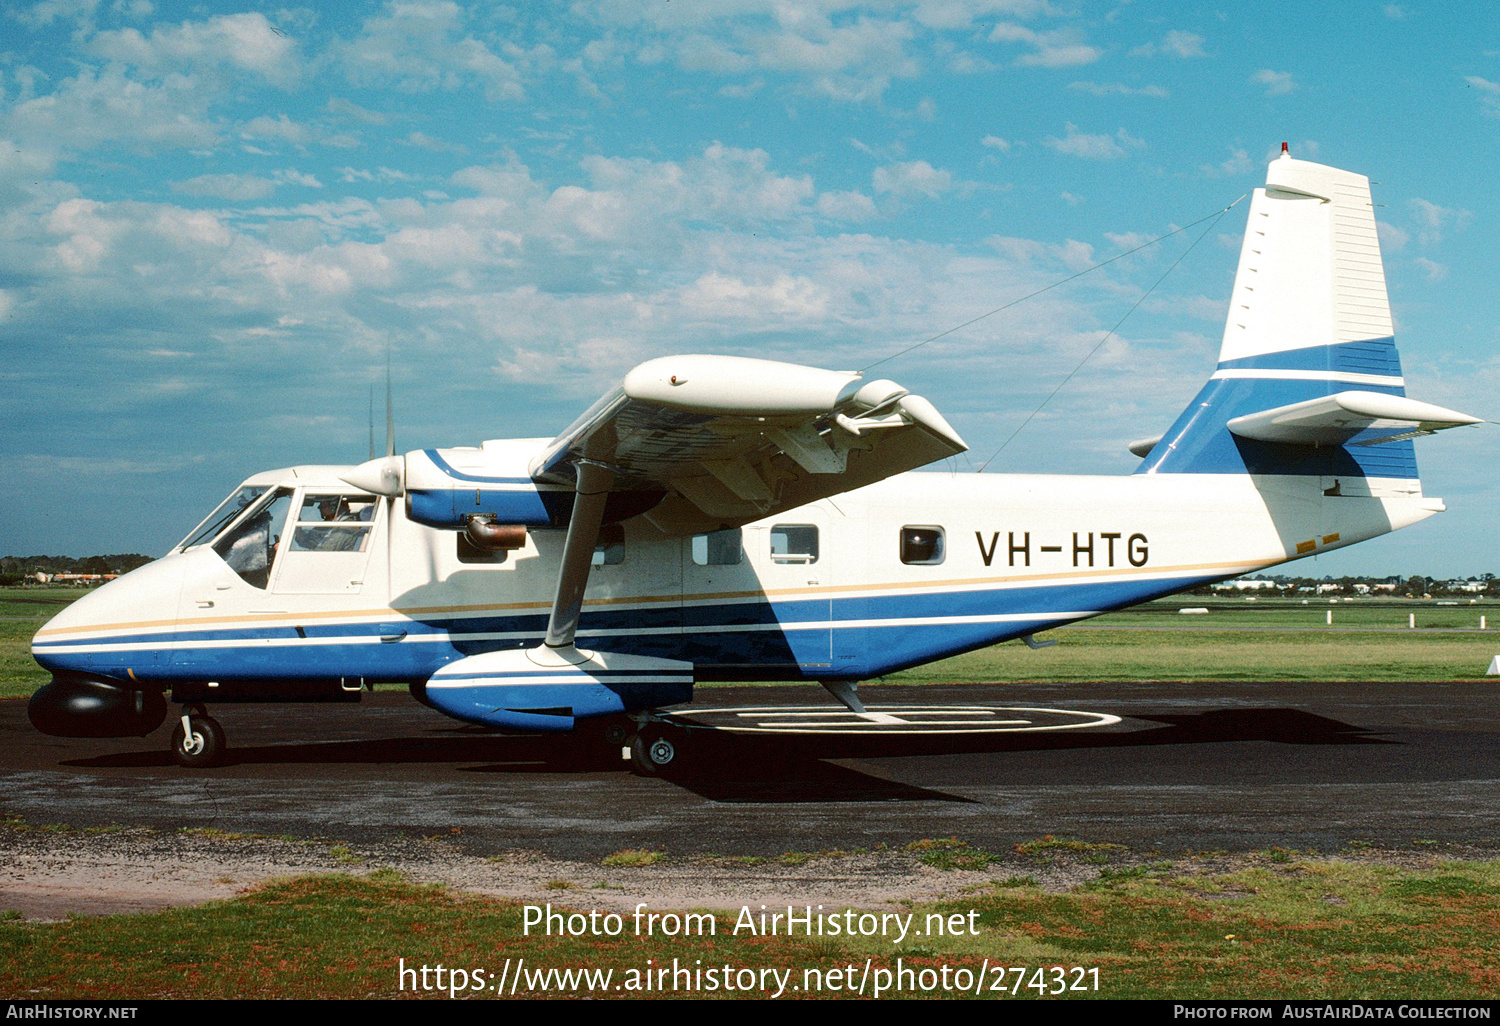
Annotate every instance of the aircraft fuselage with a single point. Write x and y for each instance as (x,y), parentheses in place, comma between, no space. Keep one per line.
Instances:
(895,574)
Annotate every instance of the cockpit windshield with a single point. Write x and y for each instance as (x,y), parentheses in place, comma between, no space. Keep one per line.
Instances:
(249,547)
(227,511)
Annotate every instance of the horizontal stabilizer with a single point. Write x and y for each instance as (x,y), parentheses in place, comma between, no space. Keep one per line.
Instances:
(1339,418)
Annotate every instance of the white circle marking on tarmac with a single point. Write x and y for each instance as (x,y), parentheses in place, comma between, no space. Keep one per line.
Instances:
(891,719)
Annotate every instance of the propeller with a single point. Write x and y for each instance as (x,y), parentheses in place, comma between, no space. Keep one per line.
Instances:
(384,475)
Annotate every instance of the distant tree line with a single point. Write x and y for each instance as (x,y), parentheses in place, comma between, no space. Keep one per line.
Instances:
(1351,586)
(18,569)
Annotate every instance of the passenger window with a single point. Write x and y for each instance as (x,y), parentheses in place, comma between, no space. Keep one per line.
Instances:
(333,523)
(721,548)
(468,552)
(794,543)
(250,546)
(922,546)
(611,548)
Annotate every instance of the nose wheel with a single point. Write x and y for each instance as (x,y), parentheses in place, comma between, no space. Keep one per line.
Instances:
(198,740)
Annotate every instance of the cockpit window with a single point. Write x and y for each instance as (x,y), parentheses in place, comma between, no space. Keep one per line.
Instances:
(333,523)
(226,511)
(250,546)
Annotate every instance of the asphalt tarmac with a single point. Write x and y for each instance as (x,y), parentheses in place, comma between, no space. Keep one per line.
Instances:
(1186,768)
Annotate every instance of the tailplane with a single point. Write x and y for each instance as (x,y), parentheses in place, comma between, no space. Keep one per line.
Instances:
(1308,381)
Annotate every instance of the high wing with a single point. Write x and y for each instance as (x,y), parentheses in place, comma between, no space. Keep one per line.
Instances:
(694,443)
(731,439)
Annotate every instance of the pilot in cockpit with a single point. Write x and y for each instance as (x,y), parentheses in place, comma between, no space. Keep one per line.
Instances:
(335,509)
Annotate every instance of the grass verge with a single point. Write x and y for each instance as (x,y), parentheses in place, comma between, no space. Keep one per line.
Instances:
(1301,929)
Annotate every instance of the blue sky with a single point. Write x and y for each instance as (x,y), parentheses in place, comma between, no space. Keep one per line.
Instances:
(215,219)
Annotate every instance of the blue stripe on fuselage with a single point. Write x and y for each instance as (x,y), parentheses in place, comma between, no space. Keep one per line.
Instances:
(738,640)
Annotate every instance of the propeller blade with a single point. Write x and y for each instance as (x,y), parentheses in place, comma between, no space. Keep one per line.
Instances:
(390,417)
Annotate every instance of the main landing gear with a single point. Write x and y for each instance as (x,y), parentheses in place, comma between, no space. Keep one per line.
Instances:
(653,746)
(652,755)
(197,740)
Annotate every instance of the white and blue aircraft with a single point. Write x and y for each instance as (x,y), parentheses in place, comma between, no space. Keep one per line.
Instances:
(718,518)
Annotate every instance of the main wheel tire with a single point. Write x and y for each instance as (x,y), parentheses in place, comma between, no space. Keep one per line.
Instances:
(651,756)
(204,748)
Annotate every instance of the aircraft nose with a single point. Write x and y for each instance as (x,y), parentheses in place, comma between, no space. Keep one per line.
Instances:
(115,631)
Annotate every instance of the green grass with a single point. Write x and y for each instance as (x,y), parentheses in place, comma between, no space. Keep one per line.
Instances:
(19,674)
(633,857)
(1267,640)
(950,853)
(1308,929)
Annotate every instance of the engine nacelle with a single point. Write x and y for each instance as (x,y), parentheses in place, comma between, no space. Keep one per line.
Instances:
(547,689)
(77,707)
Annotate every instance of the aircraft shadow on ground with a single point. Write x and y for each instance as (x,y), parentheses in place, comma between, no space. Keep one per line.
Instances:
(777,768)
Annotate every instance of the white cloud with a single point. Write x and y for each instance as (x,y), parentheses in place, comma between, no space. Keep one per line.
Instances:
(912,178)
(97,108)
(383,174)
(855,61)
(1119,89)
(1489,93)
(420,46)
(1277,83)
(291,176)
(1392,239)
(1238,163)
(743,91)
(39,15)
(237,188)
(1059,48)
(994,142)
(341,107)
(846,206)
(134,9)
(1124,241)
(1175,43)
(1434,220)
(724,183)
(422,140)
(1094,147)
(1435,271)
(853,58)
(244,42)
(724,297)
(962,14)
(280,128)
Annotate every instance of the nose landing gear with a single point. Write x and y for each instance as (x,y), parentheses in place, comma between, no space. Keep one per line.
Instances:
(198,740)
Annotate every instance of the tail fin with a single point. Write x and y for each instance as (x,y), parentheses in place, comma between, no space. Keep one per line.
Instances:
(1308,381)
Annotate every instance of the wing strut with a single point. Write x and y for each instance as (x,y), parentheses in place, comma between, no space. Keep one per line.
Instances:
(592,490)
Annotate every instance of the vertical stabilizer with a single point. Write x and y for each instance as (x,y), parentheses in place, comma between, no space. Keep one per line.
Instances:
(1310,271)
(1308,318)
